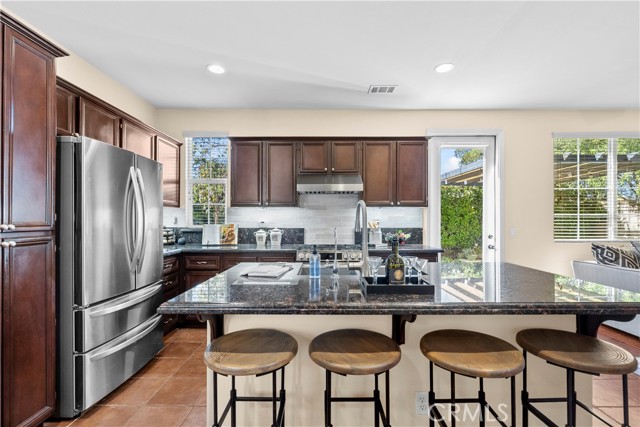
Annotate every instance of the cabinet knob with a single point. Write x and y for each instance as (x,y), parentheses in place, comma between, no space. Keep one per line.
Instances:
(8,244)
(4,227)
(325,168)
(398,203)
(266,203)
(11,227)
(391,203)
(333,169)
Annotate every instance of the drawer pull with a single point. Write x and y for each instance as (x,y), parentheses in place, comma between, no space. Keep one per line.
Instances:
(167,265)
(201,262)
(169,283)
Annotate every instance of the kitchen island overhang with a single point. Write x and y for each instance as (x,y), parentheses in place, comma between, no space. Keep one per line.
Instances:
(460,288)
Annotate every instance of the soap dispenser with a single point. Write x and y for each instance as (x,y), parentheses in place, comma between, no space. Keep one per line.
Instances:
(314,264)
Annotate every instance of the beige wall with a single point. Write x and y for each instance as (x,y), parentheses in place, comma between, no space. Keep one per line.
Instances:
(528,168)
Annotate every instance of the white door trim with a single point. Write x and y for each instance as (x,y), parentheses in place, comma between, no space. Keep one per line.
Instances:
(433,230)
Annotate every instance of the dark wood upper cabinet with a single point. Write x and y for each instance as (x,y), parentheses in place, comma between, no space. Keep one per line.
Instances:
(263,173)
(314,157)
(27,266)
(379,172)
(325,156)
(139,139)
(99,122)
(395,173)
(246,173)
(279,182)
(168,153)
(345,156)
(66,107)
(411,173)
(28,134)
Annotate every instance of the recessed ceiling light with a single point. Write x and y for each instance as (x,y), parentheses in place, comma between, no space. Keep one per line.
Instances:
(444,68)
(215,68)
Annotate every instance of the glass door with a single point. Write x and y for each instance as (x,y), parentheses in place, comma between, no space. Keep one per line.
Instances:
(463,202)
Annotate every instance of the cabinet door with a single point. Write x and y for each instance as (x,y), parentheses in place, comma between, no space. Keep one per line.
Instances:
(280,174)
(66,102)
(345,157)
(99,122)
(138,139)
(411,173)
(379,173)
(28,331)
(314,157)
(169,155)
(246,173)
(277,258)
(28,134)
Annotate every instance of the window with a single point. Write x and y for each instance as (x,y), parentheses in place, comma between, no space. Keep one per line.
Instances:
(207,172)
(596,187)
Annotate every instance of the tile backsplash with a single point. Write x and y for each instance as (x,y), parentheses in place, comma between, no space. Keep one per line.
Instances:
(317,214)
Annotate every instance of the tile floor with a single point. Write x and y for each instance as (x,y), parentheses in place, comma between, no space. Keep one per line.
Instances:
(170,391)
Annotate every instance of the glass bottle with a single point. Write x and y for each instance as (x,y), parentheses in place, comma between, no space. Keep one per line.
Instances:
(314,264)
(395,265)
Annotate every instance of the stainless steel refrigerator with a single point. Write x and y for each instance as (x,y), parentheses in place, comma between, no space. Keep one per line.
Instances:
(109,255)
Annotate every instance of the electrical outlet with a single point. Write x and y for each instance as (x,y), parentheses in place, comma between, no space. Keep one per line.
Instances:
(422,403)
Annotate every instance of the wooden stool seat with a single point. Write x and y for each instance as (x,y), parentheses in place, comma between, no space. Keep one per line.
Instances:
(250,352)
(472,353)
(354,352)
(579,352)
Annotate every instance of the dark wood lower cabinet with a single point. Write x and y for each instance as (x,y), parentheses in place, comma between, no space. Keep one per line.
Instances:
(28,332)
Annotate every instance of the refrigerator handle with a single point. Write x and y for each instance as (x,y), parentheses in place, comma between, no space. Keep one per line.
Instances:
(143,214)
(124,303)
(126,343)
(139,229)
(129,226)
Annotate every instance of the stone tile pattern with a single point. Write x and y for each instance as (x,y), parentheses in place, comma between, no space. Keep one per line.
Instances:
(319,214)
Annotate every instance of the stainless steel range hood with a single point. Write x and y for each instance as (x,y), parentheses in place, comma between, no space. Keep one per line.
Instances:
(321,184)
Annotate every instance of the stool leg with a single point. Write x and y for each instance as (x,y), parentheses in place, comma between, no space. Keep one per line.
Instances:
(525,394)
(454,409)
(432,397)
(283,398)
(483,403)
(327,400)
(513,401)
(386,398)
(215,400)
(571,398)
(274,399)
(625,401)
(376,399)
(233,401)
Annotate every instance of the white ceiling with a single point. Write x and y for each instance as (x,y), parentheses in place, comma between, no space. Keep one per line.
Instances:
(325,54)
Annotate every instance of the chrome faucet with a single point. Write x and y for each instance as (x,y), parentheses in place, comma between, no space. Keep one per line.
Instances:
(361,214)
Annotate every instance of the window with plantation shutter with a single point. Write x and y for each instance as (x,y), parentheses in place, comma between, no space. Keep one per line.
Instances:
(206,180)
(596,187)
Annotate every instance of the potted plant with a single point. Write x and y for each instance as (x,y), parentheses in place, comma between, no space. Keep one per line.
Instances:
(401,235)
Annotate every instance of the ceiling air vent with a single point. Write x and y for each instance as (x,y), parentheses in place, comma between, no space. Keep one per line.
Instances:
(382,88)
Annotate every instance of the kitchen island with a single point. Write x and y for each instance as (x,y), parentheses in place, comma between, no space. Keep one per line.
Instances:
(499,299)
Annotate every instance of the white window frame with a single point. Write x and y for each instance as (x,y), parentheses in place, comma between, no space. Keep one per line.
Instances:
(612,182)
(189,181)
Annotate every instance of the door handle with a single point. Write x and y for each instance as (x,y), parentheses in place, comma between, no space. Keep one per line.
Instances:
(143,214)
(139,229)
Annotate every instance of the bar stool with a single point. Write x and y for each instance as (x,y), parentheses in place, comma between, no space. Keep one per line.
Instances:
(471,354)
(250,352)
(575,353)
(356,352)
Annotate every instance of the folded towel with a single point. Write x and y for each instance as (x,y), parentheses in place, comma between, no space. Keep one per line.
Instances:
(272,271)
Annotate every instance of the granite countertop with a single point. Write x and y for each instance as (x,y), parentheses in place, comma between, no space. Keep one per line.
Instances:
(198,248)
(459,288)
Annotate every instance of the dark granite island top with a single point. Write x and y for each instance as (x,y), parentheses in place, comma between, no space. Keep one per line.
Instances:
(459,288)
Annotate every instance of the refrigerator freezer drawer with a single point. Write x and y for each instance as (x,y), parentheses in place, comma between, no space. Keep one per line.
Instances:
(98,324)
(102,370)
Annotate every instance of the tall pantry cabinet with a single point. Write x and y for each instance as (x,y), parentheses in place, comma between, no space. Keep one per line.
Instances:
(27,227)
